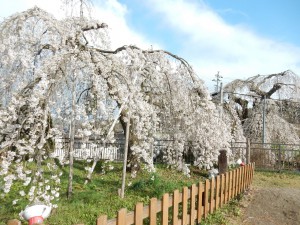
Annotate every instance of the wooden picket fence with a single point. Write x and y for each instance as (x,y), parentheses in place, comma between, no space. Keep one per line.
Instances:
(190,206)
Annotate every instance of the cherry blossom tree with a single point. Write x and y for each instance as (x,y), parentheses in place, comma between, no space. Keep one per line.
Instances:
(264,97)
(61,76)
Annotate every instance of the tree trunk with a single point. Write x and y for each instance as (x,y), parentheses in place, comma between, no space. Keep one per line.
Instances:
(125,158)
(130,156)
(72,138)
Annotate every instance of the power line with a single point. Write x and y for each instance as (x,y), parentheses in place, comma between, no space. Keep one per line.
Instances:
(259,96)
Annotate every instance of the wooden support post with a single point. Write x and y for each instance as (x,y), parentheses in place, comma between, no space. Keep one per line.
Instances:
(222,161)
(248,151)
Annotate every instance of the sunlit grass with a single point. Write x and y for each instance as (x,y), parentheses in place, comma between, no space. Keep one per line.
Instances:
(276,179)
(100,196)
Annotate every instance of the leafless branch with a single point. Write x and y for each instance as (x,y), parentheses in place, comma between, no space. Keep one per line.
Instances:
(94,27)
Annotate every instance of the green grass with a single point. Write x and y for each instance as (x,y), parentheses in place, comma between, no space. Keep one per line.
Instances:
(277,179)
(100,196)
(222,215)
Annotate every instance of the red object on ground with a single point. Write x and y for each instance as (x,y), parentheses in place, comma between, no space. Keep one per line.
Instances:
(242,164)
(36,219)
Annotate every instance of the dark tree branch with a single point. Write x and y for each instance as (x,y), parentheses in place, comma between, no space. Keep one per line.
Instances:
(87,89)
(95,27)
(48,47)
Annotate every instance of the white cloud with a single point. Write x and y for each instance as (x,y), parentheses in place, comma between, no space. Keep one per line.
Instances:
(208,42)
(54,6)
(211,45)
(111,12)
(114,14)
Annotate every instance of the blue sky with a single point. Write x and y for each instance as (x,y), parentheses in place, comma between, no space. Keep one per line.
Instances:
(239,38)
(276,19)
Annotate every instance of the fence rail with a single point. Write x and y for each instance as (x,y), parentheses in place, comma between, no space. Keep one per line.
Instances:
(190,206)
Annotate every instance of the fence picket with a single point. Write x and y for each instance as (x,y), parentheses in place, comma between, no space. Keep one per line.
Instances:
(165,209)
(222,190)
(212,188)
(121,218)
(102,220)
(243,178)
(240,180)
(175,207)
(252,171)
(233,183)
(153,211)
(236,183)
(200,201)
(248,179)
(246,176)
(226,187)
(184,205)
(193,203)
(230,185)
(217,192)
(206,192)
(138,216)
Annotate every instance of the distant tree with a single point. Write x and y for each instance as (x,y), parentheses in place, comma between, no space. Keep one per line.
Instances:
(251,96)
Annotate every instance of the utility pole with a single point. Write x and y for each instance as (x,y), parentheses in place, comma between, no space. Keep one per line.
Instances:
(222,93)
(264,121)
(221,100)
(217,80)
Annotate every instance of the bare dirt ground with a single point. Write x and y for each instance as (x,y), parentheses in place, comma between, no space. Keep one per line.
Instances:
(274,199)
(271,206)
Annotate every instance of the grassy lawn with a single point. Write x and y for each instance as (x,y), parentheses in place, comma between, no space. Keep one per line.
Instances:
(275,179)
(101,195)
